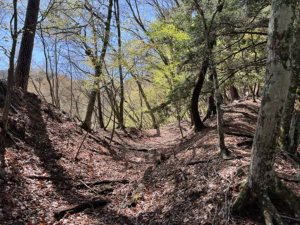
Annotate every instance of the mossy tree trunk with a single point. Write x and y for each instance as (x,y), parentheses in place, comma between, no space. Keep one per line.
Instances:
(195,96)
(262,185)
(284,136)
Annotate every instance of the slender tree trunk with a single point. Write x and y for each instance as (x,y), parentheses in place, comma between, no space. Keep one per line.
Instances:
(211,107)
(71,106)
(98,71)
(117,15)
(57,104)
(226,97)
(46,68)
(195,96)
(253,93)
(262,183)
(154,124)
(234,93)
(224,151)
(27,42)
(101,122)
(10,76)
(258,90)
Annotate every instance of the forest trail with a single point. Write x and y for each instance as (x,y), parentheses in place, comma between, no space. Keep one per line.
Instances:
(42,178)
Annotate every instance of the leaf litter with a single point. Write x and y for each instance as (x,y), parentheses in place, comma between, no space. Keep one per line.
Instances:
(43,176)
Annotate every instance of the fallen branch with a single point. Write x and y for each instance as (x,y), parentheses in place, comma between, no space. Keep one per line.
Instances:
(240,135)
(103,182)
(196,162)
(78,208)
(48,178)
(138,149)
(290,218)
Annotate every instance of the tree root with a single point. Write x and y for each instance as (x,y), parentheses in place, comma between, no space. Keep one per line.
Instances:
(225,154)
(263,199)
(269,211)
(80,207)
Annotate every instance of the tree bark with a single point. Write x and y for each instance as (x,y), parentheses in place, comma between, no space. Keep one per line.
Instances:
(101,122)
(154,124)
(234,93)
(121,113)
(98,70)
(27,42)
(262,184)
(195,96)
(284,136)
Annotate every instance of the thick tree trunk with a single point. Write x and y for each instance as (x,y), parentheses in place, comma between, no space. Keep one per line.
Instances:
(262,183)
(195,96)
(27,42)
(234,93)
(284,137)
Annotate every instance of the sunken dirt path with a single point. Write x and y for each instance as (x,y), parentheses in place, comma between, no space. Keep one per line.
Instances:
(194,187)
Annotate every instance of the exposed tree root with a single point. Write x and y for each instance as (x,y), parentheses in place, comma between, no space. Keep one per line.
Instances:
(78,208)
(225,154)
(269,211)
(239,135)
(103,182)
(263,199)
(49,178)
(10,135)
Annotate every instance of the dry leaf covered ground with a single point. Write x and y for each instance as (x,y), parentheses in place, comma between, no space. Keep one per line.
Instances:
(193,186)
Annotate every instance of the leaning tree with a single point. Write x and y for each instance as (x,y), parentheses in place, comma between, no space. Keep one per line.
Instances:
(263,185)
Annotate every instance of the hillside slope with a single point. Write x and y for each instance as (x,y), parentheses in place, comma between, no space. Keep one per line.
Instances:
(194,186)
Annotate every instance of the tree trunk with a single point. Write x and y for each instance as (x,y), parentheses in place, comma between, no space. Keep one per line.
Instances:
(224,151)
(98,70)
(101,122)
(262,183)
(226,97)
(154,124)
(195,97)
(121,115)
(57,104)
(284,137)
(10,76)
(211,108)
(27,42)
(234,93)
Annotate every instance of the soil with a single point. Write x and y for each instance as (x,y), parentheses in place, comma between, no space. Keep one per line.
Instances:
(193,186)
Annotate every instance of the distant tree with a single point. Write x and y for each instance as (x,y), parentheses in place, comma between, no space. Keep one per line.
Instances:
(262,184)
(27,42)
(234,95)
(98,64)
